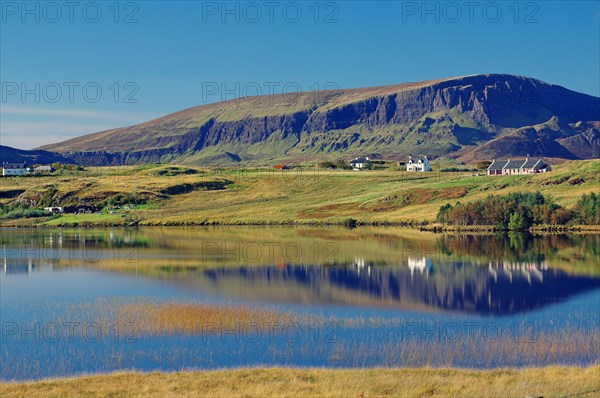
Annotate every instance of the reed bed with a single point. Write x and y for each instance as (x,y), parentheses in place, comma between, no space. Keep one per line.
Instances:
(173,335)
(187,318)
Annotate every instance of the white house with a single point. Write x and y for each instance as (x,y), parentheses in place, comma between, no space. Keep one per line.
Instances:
(14,169)
(55,210)
(421,165)
(509,167)
(360,163)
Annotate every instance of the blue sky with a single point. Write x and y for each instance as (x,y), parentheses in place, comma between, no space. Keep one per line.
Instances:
(66,71)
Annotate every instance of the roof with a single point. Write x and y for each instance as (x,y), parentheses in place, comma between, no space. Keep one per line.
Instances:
(419,159)
(8,165)
(531,163)
(513,164)
(496,165)
(516,164)
(359,160)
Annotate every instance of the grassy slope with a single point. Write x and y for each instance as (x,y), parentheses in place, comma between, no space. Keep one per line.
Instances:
(547,382)
(310,196)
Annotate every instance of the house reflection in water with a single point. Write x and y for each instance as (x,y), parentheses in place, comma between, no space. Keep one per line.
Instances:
(502,288)
(23,267)
(16,268)
(511,269)
(359,264)
(423,265)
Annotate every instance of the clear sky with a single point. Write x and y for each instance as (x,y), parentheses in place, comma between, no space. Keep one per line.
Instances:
(69,69)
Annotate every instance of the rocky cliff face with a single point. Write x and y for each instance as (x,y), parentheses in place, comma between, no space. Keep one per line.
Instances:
(451,117)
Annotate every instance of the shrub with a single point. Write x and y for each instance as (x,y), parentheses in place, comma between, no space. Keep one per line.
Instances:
(517,222)
(483,165)
(350,223)
(338,164)
(515,211)
(575,181)
(442,215)
(588,209)
(21,211)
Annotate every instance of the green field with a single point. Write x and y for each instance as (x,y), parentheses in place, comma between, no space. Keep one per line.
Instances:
(178,195)
(77,219)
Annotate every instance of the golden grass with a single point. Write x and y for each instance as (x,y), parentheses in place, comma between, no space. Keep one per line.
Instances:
(277,382)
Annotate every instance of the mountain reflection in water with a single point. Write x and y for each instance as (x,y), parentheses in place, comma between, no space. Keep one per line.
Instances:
(499,289)
(370,267)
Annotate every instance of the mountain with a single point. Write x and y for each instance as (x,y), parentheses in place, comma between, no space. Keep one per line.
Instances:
(13,155)
(470,118)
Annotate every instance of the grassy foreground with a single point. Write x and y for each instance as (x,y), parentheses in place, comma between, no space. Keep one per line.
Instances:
(547,382)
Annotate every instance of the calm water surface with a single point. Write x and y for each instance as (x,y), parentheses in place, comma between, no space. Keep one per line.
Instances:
(84,301)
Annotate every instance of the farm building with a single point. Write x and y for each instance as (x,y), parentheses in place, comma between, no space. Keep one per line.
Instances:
(43,169)
(14,169)
(83,209)
(421,165)
(517,167)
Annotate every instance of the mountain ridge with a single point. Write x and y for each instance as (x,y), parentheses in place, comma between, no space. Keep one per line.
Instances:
(453,117)
(14,155)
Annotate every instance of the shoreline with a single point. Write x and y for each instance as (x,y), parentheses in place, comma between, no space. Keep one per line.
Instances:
(322,382)
(423,226)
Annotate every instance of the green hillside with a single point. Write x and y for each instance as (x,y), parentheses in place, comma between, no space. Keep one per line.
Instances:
(473,117)
(180,195)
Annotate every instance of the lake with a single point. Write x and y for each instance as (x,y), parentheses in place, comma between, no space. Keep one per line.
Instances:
(102,300)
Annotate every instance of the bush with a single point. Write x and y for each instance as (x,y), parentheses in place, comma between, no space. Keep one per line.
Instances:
(588,209)
(67,167)
(515,211)
(483,165)
(442,215)
(21,211)
(122,199)
(338,164)
(350,223)
(517,222)
(575,181)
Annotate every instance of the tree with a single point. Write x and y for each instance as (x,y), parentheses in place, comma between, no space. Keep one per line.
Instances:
(516,222)
(442,215)
(516,211)
(588,209)
(483,165)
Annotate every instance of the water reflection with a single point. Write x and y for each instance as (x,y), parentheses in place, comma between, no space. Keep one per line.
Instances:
(484,275)
(418,286)
(12,267)
(370,286)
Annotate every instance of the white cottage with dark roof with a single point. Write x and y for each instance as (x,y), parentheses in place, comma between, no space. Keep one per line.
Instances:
(419,165)
(360,163)
(517,167)
(14,169)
